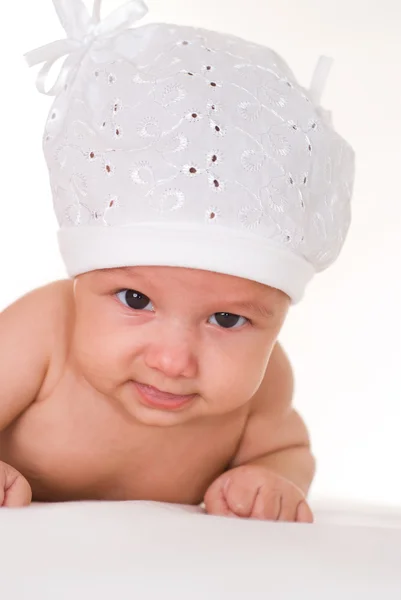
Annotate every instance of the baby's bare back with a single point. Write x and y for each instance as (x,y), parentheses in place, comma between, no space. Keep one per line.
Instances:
(71,442)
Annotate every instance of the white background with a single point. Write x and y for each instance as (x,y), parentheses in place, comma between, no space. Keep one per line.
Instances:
(344,339)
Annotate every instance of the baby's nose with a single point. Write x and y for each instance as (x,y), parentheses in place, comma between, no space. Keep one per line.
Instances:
(174,358)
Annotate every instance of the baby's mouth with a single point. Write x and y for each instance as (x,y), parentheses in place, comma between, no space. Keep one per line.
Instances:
(156,398)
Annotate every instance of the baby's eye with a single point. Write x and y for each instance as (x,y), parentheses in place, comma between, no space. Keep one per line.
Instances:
(227,320)
(134,299)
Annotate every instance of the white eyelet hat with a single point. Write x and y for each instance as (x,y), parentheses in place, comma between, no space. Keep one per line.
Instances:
(175,146)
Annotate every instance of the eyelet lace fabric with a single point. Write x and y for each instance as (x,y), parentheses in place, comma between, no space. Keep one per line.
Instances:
(168,124)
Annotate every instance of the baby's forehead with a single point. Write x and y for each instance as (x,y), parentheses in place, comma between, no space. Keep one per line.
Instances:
(160,275)
(206,284)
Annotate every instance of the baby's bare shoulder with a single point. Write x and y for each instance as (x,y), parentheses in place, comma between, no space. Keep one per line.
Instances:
(58,299)
(31,329)
(56,296)
(40,310)
(43,310)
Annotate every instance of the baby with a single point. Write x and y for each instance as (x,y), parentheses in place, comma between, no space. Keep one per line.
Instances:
(198,188)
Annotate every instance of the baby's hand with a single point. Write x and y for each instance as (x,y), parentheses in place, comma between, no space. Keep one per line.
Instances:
(255,492)
(15,491)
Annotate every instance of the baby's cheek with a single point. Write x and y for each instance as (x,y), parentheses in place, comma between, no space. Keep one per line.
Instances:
(98,354)
(234,382)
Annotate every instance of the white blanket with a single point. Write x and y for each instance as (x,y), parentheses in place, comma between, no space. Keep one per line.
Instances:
(140,550)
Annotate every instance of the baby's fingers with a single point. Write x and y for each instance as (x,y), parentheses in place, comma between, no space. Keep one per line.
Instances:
(15,491)
(304,513)
(276,505)
(215,500)
(267,505)
(240,496)
(295,511)
(288,510)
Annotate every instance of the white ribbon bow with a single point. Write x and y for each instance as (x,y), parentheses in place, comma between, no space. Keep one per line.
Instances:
(319,78)
(318,83)
(82,31)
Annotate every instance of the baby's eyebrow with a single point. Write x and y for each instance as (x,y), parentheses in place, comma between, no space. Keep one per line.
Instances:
(118,272)
(259,308)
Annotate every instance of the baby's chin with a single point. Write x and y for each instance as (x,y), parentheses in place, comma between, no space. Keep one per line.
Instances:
(159,418)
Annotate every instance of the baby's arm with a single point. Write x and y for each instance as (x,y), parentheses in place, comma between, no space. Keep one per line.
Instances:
(273,467)
(26,330)
(275,434)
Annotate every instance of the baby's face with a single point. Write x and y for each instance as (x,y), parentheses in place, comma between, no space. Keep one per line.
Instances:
(202,338)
